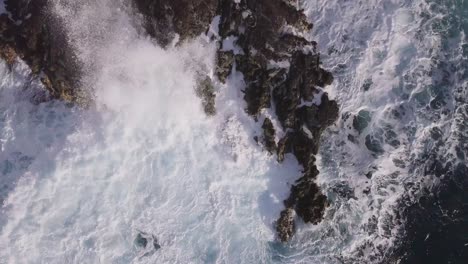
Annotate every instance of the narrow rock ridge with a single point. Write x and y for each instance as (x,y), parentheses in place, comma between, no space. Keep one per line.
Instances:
(262,39)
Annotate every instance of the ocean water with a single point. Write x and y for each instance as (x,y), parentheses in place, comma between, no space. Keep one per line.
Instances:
(401,69)
(78,186)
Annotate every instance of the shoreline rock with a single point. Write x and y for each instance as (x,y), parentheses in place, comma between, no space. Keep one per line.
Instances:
(258,27)
(28,33)
(163,19)
(269,136)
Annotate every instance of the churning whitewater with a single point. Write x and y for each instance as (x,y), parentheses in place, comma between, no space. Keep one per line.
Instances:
(396,161)
(82,186)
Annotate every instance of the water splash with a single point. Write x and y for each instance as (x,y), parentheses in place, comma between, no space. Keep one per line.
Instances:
(145,159)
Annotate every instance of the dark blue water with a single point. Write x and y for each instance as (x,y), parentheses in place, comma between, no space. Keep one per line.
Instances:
(437,225)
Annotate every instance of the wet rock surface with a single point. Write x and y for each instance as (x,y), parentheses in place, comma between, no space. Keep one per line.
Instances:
(283,69)
(146,243)
(29,34)
(224,61)
(269,136)
(205,90)
(163,19)
(285,225)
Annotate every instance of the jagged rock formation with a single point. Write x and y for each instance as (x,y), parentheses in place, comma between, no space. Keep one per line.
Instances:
(286,225)
(280,67)
(165,18)
(205,91)
(260,28)
(28,33)
(224,61)
(269,135)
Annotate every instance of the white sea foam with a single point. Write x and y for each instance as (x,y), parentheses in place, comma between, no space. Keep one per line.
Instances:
(145,159)
(384,55)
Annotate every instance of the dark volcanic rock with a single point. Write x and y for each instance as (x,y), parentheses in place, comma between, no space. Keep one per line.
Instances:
(436,225)
(257,27)
(362,120)
(8,53)
(224,61)
(284,147)
(304,75)
(165,18)
(147,243)
(259,81)
(287,99)
(38,40)
(285,225)
(269,135)
(262,21)
(328,112)
(304,147)
(205,90)
(311,203)
(141,241)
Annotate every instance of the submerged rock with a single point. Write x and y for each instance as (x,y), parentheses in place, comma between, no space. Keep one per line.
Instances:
(141,241)
(269,135)
(374,144)
(146,243)
(362,120)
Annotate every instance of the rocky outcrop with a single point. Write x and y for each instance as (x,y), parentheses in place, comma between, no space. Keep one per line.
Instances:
(224,61)
(258,29)
(163,19)
(269,135)
(205,90)
(282,68)
(28,33)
